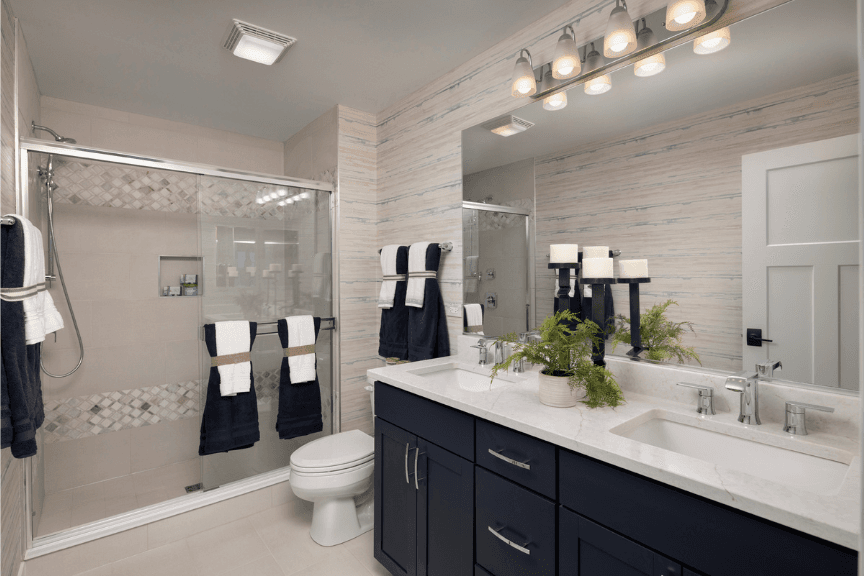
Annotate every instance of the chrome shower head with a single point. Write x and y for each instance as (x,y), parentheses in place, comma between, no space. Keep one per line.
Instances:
(34,127)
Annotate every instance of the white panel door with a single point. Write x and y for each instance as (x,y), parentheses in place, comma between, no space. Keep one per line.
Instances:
(800,259)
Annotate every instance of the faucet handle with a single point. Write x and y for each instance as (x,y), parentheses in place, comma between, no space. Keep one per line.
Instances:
(740,382)
(706,397)
(796,413)
(766,369)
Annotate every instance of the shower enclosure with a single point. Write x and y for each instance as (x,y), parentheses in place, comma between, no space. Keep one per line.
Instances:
(120,437)
(497,250)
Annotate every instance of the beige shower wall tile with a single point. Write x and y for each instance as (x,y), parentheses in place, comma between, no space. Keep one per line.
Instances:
(75,463)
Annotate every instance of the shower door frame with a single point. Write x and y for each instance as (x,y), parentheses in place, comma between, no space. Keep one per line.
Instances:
(530,310)
(36,547)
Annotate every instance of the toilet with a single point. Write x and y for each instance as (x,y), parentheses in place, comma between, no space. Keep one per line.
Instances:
(331,472)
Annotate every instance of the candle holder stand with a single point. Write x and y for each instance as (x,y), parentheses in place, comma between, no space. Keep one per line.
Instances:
(598,311)
(635,320)
(564,302)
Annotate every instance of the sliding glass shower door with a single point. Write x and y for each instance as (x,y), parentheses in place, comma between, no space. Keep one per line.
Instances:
(266,251)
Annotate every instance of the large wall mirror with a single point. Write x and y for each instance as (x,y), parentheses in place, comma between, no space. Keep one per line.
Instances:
(735,174)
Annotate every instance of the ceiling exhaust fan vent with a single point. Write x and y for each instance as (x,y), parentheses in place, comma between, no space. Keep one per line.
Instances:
(508,125)
(255,43)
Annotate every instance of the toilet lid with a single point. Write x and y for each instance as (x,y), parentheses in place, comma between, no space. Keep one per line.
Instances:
(333,452)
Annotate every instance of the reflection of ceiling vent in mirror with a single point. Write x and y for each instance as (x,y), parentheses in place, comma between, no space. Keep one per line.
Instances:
(255,43)
(507,125)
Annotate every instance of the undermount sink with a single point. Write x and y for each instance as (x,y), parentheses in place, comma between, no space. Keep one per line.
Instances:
(822,473)
(465,376)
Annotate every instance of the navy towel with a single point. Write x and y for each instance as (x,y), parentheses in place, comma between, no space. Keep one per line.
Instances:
(427,326)
(22,411)
(393,336)
(229,422)
(299,404)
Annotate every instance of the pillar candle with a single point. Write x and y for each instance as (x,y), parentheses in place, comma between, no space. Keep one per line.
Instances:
(563,253)
(597,268)
(633,269)
(595,252)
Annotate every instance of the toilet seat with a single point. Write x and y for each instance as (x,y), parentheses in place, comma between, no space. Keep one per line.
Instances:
(337,453)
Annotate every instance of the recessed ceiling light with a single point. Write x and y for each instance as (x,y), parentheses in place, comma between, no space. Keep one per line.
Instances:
(507,125)
(255,43)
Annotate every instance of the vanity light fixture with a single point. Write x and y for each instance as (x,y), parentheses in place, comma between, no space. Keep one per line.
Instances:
(507,125)
(523,82)
(593,59)
(653,64)
(566,62)
(713,42)
(255,43)
(620,38)
(599,85)
(684,14)
(556,101)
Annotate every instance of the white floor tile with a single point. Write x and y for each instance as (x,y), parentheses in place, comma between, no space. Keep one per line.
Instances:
(226,547)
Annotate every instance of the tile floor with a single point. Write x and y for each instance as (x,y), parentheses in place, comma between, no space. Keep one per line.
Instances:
(274,542)
(99,500)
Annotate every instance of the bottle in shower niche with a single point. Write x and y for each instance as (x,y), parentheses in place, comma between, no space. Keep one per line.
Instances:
(189,283)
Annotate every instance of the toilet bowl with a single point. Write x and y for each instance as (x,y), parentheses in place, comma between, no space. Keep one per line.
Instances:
(331,472)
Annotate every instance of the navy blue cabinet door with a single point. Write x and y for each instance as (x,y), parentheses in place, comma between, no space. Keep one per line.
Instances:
(588,549)
(395,499)
(445,512)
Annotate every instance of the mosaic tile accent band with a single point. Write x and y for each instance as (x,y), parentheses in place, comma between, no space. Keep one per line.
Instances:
(84,416)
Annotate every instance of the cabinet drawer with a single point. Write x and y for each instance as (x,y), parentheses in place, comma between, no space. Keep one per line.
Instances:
(707,536)
(451,429)
(515,528)
(588,549)
(517,456)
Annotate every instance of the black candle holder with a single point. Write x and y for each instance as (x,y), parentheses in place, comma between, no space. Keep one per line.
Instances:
(564,288)
(598,311)
(635,321)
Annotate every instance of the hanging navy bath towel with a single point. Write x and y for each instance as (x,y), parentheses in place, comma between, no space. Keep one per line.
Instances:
(229,422)
(299,404)
(427,326)
(21,388)
(393,336)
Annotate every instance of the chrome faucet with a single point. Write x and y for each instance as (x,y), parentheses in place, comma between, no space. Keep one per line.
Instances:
(499,351)
(747,385)
(795,417)
(766,369)
(706,398)
(519,365)
(484,352)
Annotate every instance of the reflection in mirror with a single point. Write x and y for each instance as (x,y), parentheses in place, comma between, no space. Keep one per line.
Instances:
(734,174)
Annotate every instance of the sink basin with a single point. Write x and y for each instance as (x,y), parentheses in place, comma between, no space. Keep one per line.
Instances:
(775,463)
(464,376)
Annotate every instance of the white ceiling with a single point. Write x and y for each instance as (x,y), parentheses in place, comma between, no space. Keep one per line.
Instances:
(798,43)
(164,58)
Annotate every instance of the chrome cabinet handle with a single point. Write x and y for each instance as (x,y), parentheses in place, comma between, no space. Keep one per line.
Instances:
(417,476)
(500,456)
(407,480)
(509,542)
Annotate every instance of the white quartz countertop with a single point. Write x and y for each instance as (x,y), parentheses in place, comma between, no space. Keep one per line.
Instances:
(830,516)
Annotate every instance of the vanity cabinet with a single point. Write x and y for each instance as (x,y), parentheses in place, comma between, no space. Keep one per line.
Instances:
(424,511)
(457,495)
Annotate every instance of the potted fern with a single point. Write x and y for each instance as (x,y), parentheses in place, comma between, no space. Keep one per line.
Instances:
(564,351)
(660,336)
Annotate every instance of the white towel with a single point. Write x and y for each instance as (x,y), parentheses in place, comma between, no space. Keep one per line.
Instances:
(301,332)
(233,338)
(474,318)
(321,272)
(416,284)
(388,269)
(41,317)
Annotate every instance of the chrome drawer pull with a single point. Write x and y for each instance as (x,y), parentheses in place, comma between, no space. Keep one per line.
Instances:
(407,481)
(521,548)
(417,476)
(498,454)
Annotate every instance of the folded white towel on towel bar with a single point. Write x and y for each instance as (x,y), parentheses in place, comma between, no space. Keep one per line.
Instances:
(474,318)
(416,265)
(388,269)
(233,338)
(301,338)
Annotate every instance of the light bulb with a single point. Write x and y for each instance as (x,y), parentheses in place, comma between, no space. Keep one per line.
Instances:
(523,82)
(566,62)
(684,14)
(555,101)
(713,42)
(650,66)
(598,86)
(620,38)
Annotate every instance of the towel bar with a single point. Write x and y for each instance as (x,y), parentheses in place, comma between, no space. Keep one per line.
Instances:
(444,246)
(326,324)
(7,221)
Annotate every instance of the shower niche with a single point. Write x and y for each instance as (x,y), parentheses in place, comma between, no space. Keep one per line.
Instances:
(181,276)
